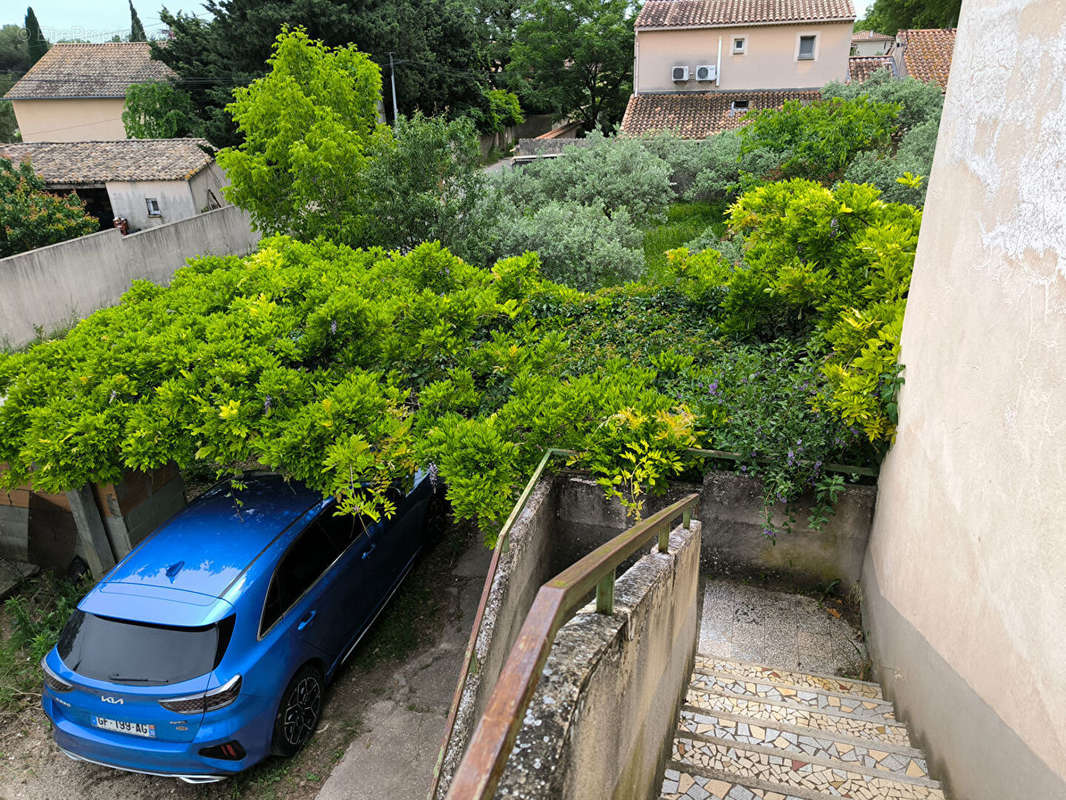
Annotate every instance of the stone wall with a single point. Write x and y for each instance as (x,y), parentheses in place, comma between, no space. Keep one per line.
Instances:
(965,578)
(602,718)
(53,286)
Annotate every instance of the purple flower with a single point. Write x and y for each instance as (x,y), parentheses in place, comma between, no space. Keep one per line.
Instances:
(267,403)
(713,389)
(333,326)
(791,458)
(768,532)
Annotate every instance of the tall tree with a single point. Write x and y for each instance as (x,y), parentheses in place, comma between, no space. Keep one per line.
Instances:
(575,57)
(435,44)
(309,125)
(891,16)
(35,41)
(137,33)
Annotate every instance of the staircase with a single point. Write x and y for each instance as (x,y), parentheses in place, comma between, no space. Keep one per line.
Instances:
(750,732)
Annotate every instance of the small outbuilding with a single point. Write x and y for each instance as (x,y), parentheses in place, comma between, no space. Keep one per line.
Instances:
(147,182)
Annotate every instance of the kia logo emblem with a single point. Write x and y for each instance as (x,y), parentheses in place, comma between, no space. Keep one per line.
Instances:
(116,701)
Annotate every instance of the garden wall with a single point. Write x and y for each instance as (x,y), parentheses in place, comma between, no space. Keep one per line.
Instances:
(51,287)
(99,523)
(602,719)
(534,125)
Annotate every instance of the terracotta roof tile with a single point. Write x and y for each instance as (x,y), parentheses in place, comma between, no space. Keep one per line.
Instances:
(709,13)
(697,115)
(89,70)
(862,67)
(74,163)
(927,53)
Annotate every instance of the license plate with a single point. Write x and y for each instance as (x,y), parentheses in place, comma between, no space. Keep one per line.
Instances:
(135,728)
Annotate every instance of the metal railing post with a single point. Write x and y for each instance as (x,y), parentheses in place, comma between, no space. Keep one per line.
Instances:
(605,594)
(664,538)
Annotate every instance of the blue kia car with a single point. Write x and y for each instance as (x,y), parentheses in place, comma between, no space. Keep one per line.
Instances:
(210,645)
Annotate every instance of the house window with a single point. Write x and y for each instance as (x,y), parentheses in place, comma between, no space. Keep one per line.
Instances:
(739,106)
(806,48)
(153,207)
(740,45)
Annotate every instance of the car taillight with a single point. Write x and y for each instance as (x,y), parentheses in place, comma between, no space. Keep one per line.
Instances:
(230,751)
(53,681)
(208,701)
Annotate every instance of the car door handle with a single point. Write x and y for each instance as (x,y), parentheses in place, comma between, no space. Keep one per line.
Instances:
(369,550)
(306,620)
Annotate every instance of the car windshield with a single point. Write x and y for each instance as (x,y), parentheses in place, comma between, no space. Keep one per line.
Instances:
(133,652)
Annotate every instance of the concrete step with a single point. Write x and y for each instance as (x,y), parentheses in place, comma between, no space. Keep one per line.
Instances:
(815,700)
(683,783)
(882,758)
(770,712)
(785,677)
(788,773)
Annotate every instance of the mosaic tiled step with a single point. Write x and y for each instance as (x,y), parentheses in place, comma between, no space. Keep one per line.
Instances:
(788,773)
(757,672)
(864,707)
(790,739)
(681,784)
(888,733)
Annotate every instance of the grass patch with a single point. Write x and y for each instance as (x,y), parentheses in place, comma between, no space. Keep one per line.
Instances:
(29,627)
(684,222)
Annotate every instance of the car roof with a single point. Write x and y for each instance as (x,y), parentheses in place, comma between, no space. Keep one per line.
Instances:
(207,546)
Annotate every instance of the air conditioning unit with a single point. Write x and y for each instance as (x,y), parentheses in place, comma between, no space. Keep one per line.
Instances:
(707,72)
(679,74)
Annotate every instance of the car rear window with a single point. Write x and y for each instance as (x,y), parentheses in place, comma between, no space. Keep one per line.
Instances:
(133,652)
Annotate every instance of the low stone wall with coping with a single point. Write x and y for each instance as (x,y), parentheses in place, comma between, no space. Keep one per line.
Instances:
(602,718)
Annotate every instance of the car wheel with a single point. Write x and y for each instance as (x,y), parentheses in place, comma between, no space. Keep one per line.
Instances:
(301,706)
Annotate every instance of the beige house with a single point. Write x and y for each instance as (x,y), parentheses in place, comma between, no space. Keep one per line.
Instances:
(745,47)
(871,43)
(148,182)
(76,92)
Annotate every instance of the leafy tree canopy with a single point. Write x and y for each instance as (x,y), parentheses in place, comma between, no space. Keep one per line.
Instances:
(14,51)
(440,60)
(308,128)
(8,123)
(157,110)
(892,16)
(31,217)
(575,58)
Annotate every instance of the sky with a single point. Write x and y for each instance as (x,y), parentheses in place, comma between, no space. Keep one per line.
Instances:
(98,20)
(95,20)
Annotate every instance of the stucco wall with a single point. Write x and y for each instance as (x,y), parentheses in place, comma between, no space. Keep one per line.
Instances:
(769,63)
(602,717)
(70,120)
(53,286)
(965,577)
(128,199)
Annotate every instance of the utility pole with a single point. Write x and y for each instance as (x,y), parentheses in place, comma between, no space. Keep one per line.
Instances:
(392,79)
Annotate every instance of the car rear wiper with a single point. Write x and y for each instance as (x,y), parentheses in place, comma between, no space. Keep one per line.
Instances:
(129,679)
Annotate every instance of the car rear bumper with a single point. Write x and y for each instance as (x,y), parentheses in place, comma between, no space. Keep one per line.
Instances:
(186,778)
(171,759)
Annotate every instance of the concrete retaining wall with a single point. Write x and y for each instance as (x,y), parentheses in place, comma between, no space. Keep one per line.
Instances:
(534,125)
(50,287)
(734,542)
(602,718)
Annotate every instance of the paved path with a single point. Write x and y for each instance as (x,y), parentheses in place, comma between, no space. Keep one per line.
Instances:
(395,755)
(788,631)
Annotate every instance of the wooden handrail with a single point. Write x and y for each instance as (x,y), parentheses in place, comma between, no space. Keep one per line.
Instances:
(502,542)
(491,744)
